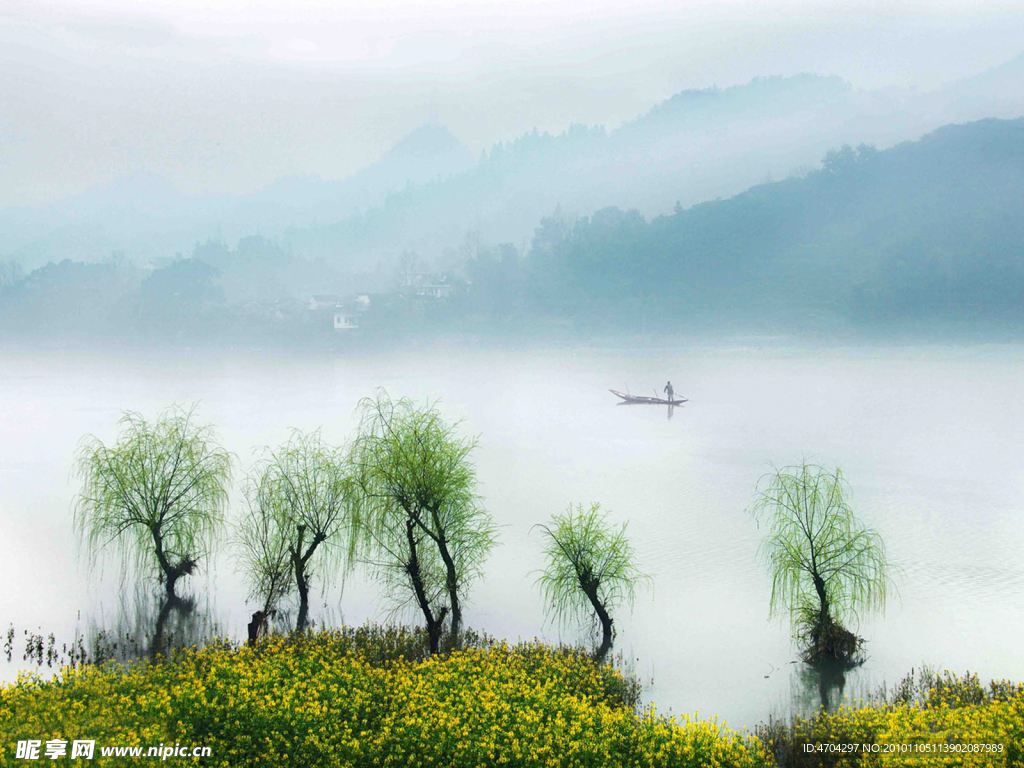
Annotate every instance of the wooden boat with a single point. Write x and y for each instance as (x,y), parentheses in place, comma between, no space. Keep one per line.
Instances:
(639,400)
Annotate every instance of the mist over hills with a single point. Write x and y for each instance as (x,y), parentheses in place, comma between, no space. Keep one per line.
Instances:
(427,192)
(925,235)
(428,153)
(996,91)
(145,217)
(697,146)
(925,238)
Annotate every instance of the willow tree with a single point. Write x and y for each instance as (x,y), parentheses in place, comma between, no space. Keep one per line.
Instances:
(156,497)
(590,570)
(302,522)
(406,563)
(826,567)
(430,535)
(262,550)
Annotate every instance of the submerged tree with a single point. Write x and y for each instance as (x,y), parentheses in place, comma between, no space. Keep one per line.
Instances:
(302,521)
(590,570)
(429,533)
(262,550)
(826,567)
(157,497)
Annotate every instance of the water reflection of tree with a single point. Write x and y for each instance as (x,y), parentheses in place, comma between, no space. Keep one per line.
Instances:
(148,624)
(819,686)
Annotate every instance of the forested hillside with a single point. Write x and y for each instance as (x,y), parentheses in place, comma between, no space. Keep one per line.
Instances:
(928,230)
(925,236)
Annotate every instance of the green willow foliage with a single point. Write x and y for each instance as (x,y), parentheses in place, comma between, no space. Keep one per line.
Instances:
(302,520)
(261,549)
(590,570)
(429,534)
(157,497)
(826,567)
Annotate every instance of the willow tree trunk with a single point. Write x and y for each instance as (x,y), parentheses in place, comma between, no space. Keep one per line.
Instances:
(412,569)
(452,587)
(156,647)
(302,585)
(590,590)
(824,610)
(171,572)
(300,560)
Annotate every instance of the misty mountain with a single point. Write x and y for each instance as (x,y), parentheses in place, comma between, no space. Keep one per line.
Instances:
(145,217)
(926,236)
(996,90)
(930,231)
(426,193)
(430,152)
(141,214)
(696,146)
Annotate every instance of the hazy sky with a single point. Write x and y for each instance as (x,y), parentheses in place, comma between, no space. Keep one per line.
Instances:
(229,97)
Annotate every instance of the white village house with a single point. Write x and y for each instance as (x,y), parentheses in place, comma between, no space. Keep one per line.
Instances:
(345,321)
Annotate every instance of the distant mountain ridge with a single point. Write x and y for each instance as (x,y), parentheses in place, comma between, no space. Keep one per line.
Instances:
(130,213)
(696,146)
(427,192)
(929,231)
(427,153)
(764,94)
(924,238)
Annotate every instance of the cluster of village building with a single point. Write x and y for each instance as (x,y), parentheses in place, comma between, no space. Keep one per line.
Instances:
(346,312)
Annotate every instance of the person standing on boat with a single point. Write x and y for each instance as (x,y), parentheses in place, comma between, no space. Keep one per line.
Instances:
(668,390)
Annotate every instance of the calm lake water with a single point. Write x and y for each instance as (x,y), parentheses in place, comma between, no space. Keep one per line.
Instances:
(931,439)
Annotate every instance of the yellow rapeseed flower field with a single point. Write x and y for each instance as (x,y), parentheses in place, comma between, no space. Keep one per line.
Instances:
(319,701)
(314,701)
(957,723)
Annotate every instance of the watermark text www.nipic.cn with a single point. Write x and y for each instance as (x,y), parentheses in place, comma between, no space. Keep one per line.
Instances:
(85,749)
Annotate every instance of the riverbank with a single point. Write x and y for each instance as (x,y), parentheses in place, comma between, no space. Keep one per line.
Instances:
(369,697)
(928,719)
(366,697)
